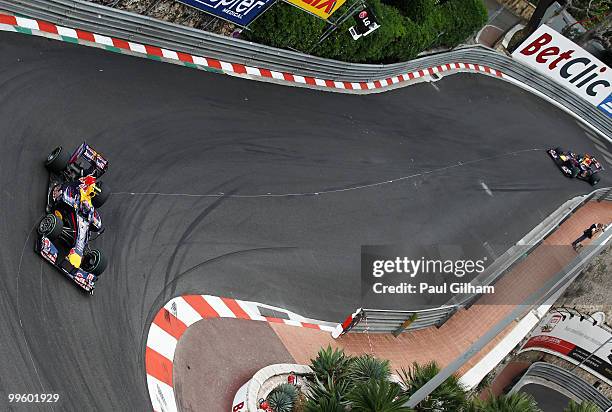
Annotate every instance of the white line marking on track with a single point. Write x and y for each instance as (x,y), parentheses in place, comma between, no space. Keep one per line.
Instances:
(486,188)
(331,191)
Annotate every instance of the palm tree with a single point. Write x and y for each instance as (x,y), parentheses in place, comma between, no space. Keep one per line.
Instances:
(585,406)
(323,405)
(449,396)
(331,389)
(514,402)
(366,367)
(378,396)
(330,363)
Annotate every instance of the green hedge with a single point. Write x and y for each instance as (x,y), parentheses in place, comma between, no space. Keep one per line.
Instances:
(407,28)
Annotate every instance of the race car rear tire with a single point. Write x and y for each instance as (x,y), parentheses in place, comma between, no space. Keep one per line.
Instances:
(593,180)
(50,227)
(559,150)
(100,198)
(94,262)
(57,160)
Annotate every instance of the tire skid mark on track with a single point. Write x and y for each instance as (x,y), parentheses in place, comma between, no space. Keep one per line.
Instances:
(25,338)
(332,191)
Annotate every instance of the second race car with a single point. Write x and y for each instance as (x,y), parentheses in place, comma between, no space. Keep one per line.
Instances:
(580,166)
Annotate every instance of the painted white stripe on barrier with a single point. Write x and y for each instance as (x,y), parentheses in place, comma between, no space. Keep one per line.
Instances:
(27,23)
(226,66)
(383,82)
(170,54)
(319,82)
(161,342)
(65,31)
(162,395)
(200,60)
(371,85)
(137,47)
(219,306)
(253,71)
(394,80)
(356,86)
(184,311)
(292,322)
(277,75)
(339,85)
(103,40)
(299,79)
(327,328)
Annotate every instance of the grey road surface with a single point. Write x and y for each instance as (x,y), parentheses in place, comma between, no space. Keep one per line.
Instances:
(241,189)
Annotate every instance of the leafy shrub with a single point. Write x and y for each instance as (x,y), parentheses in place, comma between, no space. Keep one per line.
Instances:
(379,396)
(330,390)
(407,28)
(323,405)
(330,363)
(283,397)
(367,367)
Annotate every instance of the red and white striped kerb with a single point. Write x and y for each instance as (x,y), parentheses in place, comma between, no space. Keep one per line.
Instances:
(181,312)
(43,28)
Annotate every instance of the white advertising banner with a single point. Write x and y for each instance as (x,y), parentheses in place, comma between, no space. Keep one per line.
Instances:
(568,64)
(575,338)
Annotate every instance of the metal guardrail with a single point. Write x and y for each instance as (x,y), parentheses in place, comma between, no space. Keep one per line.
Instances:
(129,26)
(386,321)
(566,380)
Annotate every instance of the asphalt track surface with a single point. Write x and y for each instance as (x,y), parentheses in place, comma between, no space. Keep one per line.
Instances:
(179,138)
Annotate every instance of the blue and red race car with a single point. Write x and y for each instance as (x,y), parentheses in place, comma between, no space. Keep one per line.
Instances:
(580,166)
(72,220)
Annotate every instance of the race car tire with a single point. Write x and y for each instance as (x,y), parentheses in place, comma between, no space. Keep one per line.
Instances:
(57,160)
(559,150)
(50,227)
(95,262)
(100,198)
(593,180)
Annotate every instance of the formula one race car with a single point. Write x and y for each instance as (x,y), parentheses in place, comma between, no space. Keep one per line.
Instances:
(581,166)
(73,197)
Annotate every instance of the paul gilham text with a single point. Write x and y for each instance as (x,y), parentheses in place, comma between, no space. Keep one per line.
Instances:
(409,288)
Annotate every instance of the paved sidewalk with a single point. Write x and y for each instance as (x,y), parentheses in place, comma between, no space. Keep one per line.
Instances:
(278,343)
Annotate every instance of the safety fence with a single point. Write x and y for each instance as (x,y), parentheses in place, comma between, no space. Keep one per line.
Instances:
(397,321)
(134,27)
(542,372)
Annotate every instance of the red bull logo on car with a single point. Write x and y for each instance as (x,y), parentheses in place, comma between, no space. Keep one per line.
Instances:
(571,66)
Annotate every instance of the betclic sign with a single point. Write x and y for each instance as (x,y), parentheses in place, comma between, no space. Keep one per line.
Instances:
(240,12)
(568,64)
(320,8)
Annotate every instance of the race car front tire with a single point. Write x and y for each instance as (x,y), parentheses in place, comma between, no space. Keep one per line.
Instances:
(95,262)
(57,160)
(594,179)
(50,227)
(100,198)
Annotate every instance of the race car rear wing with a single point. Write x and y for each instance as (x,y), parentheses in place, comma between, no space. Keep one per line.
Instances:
(95,159)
